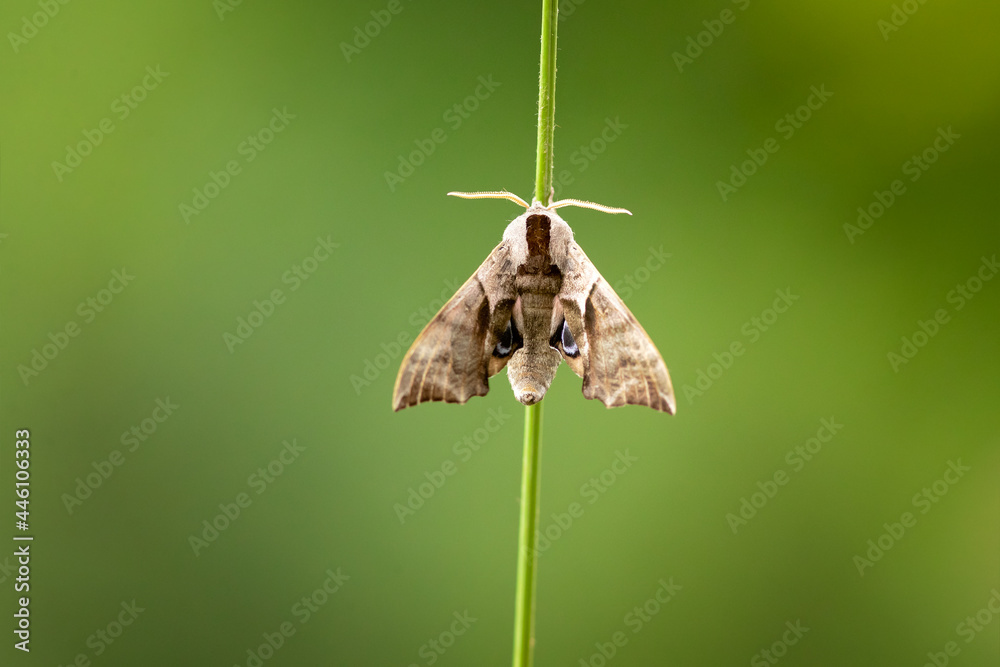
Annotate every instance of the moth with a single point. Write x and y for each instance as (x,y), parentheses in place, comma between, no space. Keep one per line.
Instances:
(537,300)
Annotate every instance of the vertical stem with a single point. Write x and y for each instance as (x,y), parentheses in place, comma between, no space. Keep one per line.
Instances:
(546,102)
(527,553)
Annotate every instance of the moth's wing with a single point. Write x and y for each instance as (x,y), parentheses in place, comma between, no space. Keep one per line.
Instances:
(453,356)
(617,360)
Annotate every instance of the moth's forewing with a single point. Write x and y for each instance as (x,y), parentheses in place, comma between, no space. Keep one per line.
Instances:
(625,367)
(620,364)
(452,357)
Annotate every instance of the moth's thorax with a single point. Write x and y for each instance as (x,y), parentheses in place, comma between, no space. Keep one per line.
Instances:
(538,233)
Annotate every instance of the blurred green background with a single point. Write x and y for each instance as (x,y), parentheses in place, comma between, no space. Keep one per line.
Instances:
(286,118)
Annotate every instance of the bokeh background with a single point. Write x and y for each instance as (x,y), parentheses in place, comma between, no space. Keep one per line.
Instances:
(635,129)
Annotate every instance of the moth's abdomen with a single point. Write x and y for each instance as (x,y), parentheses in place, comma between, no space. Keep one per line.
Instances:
(531,371)
(533,367)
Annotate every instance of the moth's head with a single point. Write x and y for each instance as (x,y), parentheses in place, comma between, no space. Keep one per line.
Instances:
(558,233)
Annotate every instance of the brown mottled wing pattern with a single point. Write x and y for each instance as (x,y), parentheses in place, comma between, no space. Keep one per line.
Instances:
(450,359)
(621,366)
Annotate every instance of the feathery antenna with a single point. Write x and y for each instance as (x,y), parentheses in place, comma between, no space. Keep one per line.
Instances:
(588,204)
(493,194)
(510,196)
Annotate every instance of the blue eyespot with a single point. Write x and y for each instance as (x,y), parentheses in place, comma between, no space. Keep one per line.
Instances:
(510,339)
(568,342)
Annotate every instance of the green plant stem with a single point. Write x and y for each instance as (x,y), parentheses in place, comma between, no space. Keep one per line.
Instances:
(544,158)
(527,552)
